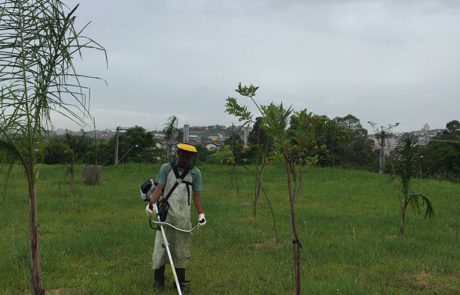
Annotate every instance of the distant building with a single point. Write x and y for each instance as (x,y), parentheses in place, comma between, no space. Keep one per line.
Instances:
(194,138)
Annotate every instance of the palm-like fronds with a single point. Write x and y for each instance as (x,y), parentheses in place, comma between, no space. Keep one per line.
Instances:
(406,165)
(275,122)
(418,201)
(171,127)
(407,151)
(38,43)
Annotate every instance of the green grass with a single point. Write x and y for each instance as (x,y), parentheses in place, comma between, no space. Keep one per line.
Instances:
(96,239)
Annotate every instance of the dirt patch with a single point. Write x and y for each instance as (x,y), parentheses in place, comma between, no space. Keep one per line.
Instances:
(250,220)
(261,245)
(68,291)
(423,280)
(438,284)
(65,291)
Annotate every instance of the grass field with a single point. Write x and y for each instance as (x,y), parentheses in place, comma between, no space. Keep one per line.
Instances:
(96,239)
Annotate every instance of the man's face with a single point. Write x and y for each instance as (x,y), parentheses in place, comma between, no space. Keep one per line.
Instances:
(185,158)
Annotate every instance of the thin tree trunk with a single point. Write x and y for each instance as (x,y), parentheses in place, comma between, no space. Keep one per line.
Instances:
(333,156)
(259,183)
(295,239)
(403,219)
(72,168)
(257,174)
(233,174)
(236,181)
(382,154)
(273,215)
(34,235)
(260,178)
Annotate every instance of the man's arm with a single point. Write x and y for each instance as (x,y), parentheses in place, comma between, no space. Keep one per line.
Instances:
(157,193)
(149,209)
(197,200)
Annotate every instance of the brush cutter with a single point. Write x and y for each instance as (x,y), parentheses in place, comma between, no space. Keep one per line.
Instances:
(161,224)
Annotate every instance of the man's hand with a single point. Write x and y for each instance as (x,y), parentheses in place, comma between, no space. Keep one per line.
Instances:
(150,209)
(201,220)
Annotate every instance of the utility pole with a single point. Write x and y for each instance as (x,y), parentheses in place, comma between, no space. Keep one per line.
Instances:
(381,134)
(95,141)
(381,139)
(116,143)
(116,146)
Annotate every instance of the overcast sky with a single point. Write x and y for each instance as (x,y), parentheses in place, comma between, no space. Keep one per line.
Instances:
(384,61)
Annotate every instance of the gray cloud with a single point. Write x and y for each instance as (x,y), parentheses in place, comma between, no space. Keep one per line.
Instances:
(384,61)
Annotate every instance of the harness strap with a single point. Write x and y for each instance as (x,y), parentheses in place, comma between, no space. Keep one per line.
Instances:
(181,177)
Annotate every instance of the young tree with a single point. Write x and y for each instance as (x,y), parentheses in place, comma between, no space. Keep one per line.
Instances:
(71,161)
(407,151)
(334,135)
(223,156)
(170,131)
(258,138)
(38,42)
(275,121)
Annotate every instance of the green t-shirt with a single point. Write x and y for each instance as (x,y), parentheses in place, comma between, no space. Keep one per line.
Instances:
(197,181)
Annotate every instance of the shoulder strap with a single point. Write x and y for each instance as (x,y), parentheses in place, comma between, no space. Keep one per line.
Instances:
(176,171)
(178,176)
(181,177)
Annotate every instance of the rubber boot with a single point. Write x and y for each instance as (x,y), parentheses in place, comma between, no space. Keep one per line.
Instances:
(181,277)
(159,284)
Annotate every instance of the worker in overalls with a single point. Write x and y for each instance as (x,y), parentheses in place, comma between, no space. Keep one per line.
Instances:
(179,183)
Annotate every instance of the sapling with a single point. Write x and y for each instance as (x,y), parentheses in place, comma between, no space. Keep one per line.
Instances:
(407,151)
(263,143)
(225,156)
(275,122)
(170,131)
(71,153)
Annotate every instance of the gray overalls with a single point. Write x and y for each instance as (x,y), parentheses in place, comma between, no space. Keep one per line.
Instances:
(179,216)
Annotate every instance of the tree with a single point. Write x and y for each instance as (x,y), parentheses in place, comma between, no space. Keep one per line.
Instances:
(354,148)
(170,131)
(407,150)
(236,145)
(259,138)
(224,156)
(441,157)
(203,154)
(38,42)
(275,121)
(71,161)
(334,136)
(257,135)
(134,145)
(453,128)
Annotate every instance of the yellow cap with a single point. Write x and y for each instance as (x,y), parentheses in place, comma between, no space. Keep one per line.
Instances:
(186,147)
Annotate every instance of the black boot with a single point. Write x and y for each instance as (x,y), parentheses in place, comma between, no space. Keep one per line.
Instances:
(181,277)
(159,284)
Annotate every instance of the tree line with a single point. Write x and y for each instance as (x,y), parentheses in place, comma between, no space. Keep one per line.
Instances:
(338,142)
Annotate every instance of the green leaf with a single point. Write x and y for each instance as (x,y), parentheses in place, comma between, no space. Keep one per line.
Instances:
(241,112)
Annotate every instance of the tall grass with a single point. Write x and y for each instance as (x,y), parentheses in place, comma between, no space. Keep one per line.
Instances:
(96,239)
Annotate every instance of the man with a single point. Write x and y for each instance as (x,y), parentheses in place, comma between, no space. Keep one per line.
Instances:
(177,181)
